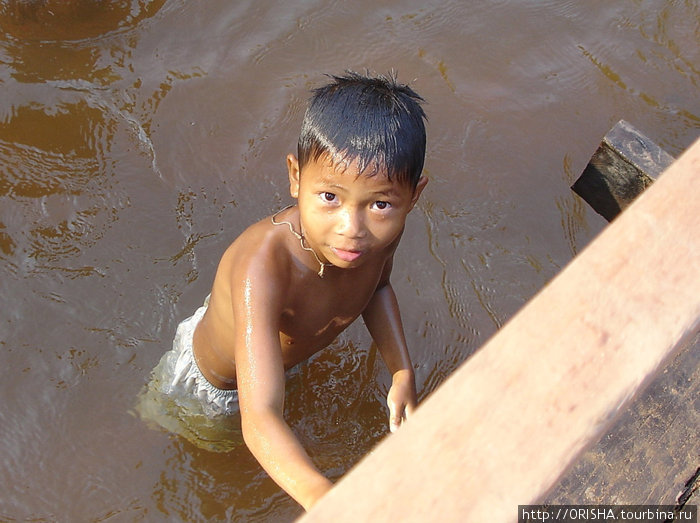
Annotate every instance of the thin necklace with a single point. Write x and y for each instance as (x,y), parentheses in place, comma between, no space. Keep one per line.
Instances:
(301,239)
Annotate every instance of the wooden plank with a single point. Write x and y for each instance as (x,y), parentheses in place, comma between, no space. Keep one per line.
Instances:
(625,163)
(506,425)
(652,453)
(653,450)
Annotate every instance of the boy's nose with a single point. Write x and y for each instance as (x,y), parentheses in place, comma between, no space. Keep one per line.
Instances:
(351,224)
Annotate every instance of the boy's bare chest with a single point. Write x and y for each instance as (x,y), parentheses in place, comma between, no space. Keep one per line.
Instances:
(317,311)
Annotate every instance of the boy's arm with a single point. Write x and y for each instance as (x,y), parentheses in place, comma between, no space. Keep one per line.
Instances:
(261,384)
(383,321)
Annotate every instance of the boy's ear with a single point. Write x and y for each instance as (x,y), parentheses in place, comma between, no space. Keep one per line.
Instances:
(293,170)
(422,182)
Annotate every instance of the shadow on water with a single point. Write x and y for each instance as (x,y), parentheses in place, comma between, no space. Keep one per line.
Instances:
(138,138)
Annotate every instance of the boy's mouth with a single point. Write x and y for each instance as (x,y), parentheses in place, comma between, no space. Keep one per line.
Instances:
(347,256)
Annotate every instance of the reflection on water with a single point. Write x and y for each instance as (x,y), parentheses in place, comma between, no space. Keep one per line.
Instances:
(54,175)
(72,21)
(138,138)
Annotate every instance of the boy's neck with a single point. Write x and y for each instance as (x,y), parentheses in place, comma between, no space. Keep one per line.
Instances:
(301,238)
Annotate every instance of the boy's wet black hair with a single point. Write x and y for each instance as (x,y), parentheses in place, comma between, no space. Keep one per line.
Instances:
(373,120)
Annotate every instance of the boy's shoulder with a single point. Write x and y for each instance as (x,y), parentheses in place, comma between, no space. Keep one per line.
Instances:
(260,246)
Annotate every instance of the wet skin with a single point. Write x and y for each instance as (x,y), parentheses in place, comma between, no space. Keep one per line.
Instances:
(270,310)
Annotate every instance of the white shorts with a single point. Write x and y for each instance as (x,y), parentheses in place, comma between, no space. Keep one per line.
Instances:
(181,365)
(181,400)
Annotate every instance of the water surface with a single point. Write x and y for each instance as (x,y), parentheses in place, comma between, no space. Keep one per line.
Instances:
(138,138)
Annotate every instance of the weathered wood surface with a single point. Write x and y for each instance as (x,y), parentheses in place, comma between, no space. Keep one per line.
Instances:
(625,163)
(652,453)
(507,424)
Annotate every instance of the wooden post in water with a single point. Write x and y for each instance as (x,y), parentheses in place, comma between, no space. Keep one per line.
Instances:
(625,164)
(515,416)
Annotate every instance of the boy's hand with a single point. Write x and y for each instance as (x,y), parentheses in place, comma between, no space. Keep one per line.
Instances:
(401,398)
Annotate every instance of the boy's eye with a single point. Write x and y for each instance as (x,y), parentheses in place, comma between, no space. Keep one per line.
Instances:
(328,196)
(382,205)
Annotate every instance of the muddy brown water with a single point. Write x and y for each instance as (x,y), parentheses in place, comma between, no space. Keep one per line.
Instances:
(138,138)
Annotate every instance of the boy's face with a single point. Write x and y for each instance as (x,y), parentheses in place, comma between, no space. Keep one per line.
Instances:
(348,216)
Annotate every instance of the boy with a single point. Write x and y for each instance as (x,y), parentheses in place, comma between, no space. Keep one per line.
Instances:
(289,284)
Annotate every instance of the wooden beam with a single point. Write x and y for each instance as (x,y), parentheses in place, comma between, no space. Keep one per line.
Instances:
(652,453)
(625,163)
(505,426)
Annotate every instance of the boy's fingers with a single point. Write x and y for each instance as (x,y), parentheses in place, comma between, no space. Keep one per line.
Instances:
(394,423)
(410,408)
(395,417)
(393,420)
